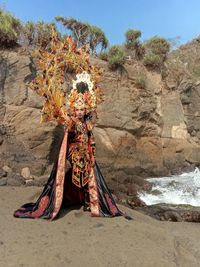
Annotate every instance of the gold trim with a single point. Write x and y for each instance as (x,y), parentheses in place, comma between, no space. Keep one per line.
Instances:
(60,175)
(93,194)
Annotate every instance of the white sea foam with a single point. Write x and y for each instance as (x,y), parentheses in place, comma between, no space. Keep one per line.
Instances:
(177,189)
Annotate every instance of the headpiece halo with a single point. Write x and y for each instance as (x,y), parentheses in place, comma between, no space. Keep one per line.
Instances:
(83,77)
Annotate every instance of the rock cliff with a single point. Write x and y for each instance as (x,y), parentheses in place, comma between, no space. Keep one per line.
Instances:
(149,123)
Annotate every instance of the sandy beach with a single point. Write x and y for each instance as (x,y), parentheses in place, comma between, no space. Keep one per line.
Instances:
(77,239)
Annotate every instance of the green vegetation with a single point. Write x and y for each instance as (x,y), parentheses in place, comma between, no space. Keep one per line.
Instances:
(97,37)
(140,82)
(85,33)
(116,57)
(153,52)
(103,55)
(38,34)
(10,28)
(133,43)
(132,38)
(157,45)
(13,32)
(156,50)
(196,71)
(153,60)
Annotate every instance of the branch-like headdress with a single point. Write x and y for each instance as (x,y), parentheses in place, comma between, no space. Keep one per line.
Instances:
(63,55)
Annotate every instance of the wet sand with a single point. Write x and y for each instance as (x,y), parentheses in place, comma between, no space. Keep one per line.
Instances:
(77,239)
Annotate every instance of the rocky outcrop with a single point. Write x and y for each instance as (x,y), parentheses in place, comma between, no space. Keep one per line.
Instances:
(149,123)
(174,213)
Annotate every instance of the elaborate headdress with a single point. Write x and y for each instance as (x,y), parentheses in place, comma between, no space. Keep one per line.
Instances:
(64,55)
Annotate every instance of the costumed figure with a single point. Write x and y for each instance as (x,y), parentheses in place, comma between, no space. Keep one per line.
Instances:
(83,183)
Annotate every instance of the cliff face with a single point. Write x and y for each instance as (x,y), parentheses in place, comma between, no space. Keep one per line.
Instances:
(149,125)
(24,141)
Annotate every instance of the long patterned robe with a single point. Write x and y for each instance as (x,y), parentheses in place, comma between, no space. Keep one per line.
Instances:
(60,190)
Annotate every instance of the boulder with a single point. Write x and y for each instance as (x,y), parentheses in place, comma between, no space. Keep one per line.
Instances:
(26,173)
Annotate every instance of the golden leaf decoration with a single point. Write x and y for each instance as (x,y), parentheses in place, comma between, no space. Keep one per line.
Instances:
(62,55)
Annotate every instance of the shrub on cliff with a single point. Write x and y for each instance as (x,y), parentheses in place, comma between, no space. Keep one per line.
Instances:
(103,55)
(196,71)
(97,37)
(85,33)
(116,57)
(156,50)
(153,60)
(37,34)
(140,81)
(132,38)
(10,28)
(133,43)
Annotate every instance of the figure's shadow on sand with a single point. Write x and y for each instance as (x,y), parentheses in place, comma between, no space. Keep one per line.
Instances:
(65,210)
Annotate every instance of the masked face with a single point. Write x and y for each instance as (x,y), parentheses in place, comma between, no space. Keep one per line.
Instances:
(80,112)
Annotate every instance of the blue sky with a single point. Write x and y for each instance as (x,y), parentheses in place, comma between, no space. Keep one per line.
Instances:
(166,18)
